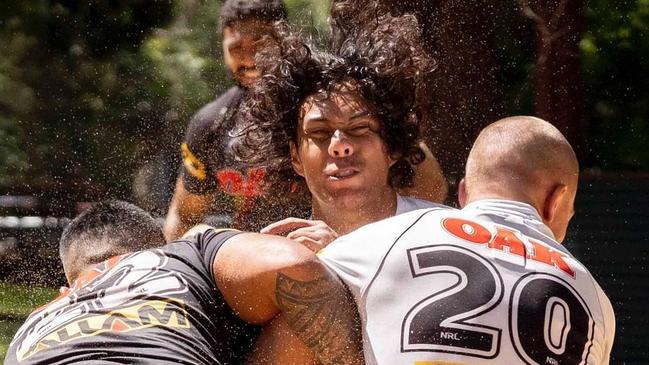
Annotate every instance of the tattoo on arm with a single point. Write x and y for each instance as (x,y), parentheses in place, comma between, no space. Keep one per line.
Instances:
(323,316)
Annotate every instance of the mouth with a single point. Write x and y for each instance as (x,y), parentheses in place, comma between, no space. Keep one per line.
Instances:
(342,174)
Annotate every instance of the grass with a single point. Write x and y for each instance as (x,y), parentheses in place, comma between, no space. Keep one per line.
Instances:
(16,303)
(7,330)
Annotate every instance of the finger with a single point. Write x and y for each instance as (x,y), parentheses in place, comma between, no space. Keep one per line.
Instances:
(319,236)
(285,225)
(304,232)
(310,244)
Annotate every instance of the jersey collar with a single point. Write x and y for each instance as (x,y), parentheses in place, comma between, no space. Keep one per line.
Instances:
(511,213)
(401,205)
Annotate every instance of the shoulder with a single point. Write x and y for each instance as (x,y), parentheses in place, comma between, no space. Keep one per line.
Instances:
(406,204)
(378,235)
(212,114)
(371,235)
(203,244)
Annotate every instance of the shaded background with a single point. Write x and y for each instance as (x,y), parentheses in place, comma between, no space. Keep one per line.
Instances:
(95,97)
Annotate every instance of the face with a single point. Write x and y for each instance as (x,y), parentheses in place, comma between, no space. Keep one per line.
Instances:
(241,42)
(339,150)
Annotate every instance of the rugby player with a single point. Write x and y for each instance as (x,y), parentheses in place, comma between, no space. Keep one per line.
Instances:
(210,173)
(488,284)
(193,301)
(345,122)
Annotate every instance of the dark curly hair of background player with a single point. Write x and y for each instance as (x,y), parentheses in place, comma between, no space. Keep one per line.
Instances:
(267,10)
(382,55)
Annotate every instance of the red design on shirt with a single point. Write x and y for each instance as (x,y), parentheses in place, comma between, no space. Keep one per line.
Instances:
(249,187)
(235,183)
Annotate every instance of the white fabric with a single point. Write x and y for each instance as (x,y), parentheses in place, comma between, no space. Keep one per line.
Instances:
(431,289)
(406,204)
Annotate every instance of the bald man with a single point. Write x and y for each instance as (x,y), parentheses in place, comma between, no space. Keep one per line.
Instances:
(527,160)
(488,284)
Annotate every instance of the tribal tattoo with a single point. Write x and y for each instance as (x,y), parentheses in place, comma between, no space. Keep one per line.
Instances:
(323,316)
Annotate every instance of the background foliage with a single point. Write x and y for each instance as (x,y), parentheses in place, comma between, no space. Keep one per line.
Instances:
(92,91)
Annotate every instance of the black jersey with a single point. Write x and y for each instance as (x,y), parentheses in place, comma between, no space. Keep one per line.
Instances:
(246,192)
(158,306)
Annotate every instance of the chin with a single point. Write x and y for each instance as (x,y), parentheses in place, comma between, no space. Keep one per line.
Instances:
(349,198)
(244,82)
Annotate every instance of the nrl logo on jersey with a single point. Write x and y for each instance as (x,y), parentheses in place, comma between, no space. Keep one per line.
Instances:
(131,293)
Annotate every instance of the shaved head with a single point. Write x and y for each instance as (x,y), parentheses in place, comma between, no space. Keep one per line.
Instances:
(523,159)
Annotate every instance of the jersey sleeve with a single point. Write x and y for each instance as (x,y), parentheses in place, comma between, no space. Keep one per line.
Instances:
(357,256)
(609,324)
(209,242)
(346,263)
(195,168)
(201,144)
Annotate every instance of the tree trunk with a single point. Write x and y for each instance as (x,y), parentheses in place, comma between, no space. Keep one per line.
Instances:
(557,77)
(463,94)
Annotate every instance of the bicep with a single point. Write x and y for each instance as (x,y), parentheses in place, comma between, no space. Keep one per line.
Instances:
(190,204)
(246,270)
(186,209)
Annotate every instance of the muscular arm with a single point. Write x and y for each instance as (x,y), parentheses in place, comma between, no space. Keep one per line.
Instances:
(185,211)
(429,182)
(278,344)
(261,276)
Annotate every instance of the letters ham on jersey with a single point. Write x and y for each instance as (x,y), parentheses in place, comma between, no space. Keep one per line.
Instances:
(507,240)
(111,298)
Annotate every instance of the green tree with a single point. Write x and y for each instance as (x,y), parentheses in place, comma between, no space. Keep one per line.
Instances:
(615,57)
(68,75)
(91,91)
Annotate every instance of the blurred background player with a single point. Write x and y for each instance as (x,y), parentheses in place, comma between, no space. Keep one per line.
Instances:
(344,123)
(210,173)
(490,284)
(133,300)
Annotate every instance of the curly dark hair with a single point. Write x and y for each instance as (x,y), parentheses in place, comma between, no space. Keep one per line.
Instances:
(268,10)
(383,59)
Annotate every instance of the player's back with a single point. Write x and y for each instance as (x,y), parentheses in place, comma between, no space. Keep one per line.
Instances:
(481,286)
(158,306)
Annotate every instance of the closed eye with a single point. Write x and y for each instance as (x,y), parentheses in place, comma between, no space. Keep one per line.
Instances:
(318,134)
(359,130)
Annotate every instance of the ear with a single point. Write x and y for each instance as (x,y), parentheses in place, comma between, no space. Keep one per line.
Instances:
(553,202)
(295,159)
(461,193)
(392,160)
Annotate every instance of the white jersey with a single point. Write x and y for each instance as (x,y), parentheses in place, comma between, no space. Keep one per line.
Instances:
(485,285)
(407,204)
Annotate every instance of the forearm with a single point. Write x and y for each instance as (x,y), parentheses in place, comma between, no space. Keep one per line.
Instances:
(278,344)
(288,279)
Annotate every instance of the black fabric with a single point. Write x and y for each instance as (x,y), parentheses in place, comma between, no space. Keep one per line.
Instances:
(151,307)
(245,192)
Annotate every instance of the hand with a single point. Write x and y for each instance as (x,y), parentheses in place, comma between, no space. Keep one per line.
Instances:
(313,234)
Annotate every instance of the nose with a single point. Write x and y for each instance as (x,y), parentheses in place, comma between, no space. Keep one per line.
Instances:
(340,146)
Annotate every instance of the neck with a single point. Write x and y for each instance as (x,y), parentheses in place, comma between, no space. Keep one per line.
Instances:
(513,195)
(346,219)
